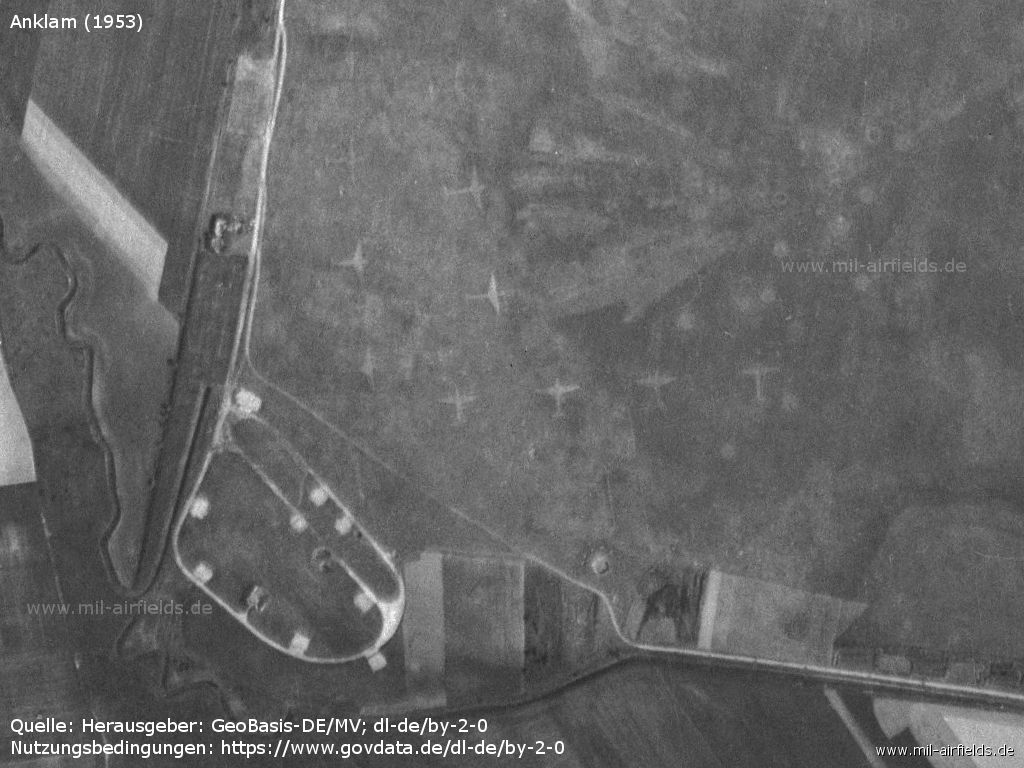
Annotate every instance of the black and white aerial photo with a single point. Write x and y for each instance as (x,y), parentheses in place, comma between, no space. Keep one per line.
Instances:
(570,383)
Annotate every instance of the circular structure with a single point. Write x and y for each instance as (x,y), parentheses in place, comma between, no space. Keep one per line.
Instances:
(318,496)
(248,403)
(839,226)
(904,142)
(599,563)
(686,320)
(322,559)
(199,508)
(866,195)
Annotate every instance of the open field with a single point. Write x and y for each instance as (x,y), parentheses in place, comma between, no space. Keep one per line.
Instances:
(564,290)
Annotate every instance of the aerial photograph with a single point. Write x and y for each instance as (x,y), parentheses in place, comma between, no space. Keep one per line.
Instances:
(569,383)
